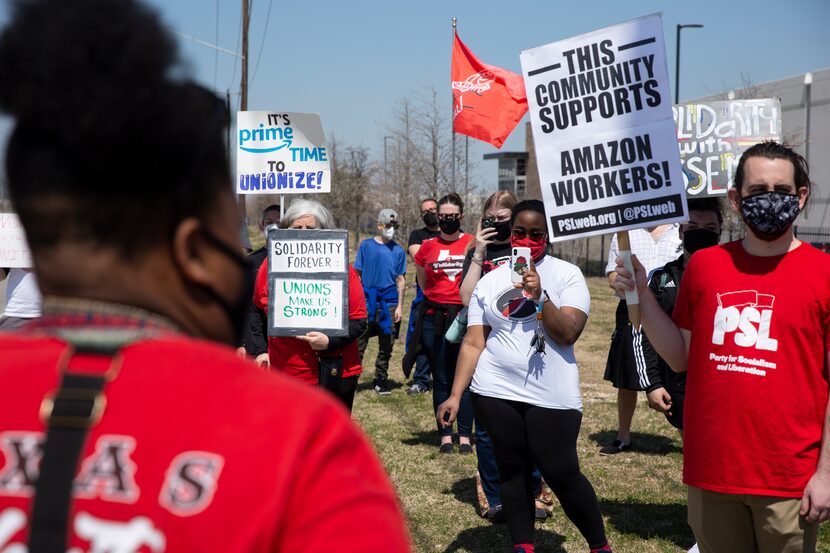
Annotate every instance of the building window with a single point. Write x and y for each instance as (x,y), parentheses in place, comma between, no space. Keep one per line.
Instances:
(520,188)
(521,163)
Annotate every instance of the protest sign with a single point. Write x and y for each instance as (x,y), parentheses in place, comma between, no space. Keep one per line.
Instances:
(281,153)
(308,282)
(14,251)
(600,109)
(712,136)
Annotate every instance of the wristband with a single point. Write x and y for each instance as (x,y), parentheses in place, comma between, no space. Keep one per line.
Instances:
(477,261)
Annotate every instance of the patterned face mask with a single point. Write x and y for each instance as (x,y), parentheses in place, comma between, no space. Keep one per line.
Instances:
(770,214)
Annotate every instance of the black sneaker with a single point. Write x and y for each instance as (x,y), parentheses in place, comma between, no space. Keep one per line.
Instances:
(495,514)
(416,389)
(381,388)
(617,446)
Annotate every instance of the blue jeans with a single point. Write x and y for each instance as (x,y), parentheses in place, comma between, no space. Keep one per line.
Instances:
(421,374)
(442,356)
(489,471)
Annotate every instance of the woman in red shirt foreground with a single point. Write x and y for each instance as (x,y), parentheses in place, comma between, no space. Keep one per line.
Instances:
(146,429)
(301,356)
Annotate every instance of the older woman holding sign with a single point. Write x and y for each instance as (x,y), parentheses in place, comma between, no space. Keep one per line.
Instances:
(305,357)
(518,355)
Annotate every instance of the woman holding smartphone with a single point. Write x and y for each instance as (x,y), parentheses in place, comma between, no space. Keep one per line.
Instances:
(517,359)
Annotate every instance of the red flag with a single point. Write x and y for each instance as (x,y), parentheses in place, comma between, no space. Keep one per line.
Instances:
(488,101)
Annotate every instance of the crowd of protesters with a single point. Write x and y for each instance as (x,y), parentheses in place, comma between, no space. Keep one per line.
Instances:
(132,419)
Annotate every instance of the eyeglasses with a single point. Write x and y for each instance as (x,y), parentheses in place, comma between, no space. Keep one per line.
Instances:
(449,216)
(520,233)
(393,224)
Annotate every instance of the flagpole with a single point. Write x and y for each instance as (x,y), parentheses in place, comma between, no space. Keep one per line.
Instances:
(452,110)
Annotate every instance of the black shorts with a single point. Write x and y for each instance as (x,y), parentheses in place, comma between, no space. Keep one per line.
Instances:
(622,368)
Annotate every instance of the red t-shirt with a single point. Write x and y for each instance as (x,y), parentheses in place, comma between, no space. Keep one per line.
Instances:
(757,385)
(197,450)
(295,357)
(443,262)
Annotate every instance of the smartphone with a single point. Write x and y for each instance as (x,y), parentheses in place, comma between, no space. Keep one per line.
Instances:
(519,263)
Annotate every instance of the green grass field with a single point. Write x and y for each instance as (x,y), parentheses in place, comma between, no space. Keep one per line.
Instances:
(640,493)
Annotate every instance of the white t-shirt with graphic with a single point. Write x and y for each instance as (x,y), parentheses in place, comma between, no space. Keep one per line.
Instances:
(505,370)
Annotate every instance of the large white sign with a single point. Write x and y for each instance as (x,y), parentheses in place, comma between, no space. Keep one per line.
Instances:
(308,282)
(713,136)
(601,112)
(281,153)
(308,304)
(14,251)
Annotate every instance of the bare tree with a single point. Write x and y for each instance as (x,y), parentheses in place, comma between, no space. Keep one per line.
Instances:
(352,173)
(419,164)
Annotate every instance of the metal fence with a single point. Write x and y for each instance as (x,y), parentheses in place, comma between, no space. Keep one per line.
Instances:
(589,254)
(818,237)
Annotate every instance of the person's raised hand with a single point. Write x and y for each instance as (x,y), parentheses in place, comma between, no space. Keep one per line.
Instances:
(531,283)
(484,236)
(625,281)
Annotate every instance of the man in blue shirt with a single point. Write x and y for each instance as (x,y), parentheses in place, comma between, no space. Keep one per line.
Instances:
(381,263)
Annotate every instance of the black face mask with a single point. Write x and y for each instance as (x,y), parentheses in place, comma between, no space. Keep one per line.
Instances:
(449,226)
(237,311)
(770,214)
(698,238)
(503,229)
(430,218)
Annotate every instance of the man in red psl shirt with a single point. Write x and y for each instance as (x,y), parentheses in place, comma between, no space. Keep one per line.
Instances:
(127,422)
(752,327)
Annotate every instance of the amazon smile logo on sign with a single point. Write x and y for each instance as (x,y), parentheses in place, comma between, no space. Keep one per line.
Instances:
(264,139)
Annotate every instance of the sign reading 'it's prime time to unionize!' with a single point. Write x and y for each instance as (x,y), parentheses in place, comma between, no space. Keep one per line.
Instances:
(601,112)
(308,282)
(281,153)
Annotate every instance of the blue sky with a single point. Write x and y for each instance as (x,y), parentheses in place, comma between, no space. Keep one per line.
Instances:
(351,61)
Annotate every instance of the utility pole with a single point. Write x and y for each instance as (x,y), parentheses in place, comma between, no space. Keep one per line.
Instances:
(243,99)
(677,59)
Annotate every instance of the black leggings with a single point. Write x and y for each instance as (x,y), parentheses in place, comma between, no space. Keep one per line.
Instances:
(524,435)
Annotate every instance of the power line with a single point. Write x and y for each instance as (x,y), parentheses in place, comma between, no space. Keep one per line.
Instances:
(238,39)
(262,43)
(216,52)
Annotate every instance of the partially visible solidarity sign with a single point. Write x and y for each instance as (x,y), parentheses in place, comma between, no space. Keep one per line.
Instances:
(281,153)
(712,137)
(308,282)
(14,251)
(600,108)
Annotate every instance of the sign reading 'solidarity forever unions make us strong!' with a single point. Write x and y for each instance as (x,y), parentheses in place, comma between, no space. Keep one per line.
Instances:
(281,153)
(308,282)
(601,112)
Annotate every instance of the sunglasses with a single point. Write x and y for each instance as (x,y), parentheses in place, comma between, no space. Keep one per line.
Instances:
(449,216)
(393,224)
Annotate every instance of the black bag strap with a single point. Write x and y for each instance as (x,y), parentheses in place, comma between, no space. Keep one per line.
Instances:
(69,413)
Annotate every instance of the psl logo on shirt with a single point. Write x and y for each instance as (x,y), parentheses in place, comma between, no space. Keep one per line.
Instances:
(747,314)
